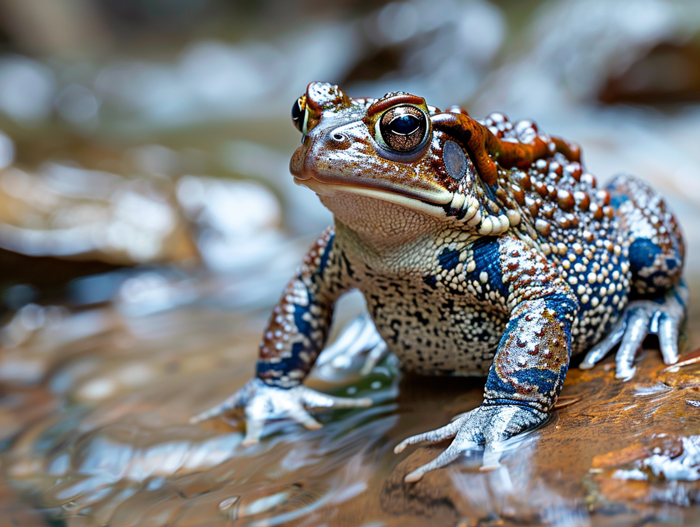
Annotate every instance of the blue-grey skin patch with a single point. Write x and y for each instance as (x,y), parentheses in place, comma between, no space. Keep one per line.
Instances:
(642,254)
(449,258)
(454,159)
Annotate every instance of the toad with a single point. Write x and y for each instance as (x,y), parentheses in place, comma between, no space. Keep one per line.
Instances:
(482,247)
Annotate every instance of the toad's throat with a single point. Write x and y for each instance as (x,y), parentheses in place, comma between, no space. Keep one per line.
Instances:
(430,202)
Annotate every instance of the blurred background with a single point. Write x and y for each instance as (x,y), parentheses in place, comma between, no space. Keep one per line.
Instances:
(147,217)
(155,134)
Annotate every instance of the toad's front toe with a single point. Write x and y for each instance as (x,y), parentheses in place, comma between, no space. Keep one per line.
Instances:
(485,425)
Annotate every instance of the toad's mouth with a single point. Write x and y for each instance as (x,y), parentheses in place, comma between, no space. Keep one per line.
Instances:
(429,202)
(421,201)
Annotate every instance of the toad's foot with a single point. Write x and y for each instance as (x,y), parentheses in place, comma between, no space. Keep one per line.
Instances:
(485,425)
(262,402)
(662,316)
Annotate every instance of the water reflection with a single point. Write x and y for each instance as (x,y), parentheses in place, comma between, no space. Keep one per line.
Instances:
(511,492)
(125,456)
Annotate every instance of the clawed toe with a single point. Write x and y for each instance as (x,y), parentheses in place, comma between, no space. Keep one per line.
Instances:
(261,403)
(253,431)
(640,319)
(434,436)
(486,425)
(668,338)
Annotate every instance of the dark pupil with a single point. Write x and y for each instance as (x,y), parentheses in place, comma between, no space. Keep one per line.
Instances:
(404,125)
(297,115)
(403,129)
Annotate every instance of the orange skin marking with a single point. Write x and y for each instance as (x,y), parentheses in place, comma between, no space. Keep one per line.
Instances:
(485,149)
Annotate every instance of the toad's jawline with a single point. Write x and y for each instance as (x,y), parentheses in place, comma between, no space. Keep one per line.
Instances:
(334,189)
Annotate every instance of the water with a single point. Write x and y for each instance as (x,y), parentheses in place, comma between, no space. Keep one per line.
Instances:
(104,438)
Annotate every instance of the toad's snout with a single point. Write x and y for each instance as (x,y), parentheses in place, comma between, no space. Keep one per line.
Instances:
(324,150)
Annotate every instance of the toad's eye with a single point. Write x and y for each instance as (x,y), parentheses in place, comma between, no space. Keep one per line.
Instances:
(299,114)
(403,128)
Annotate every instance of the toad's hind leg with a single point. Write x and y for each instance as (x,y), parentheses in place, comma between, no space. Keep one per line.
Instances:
(656,248)
(658,296)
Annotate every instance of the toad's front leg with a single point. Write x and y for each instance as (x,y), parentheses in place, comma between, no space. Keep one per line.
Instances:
(291,343)
(522,386)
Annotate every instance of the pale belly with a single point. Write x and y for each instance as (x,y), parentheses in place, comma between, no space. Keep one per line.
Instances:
(438,335)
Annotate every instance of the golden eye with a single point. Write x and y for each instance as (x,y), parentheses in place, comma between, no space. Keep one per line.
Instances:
(403,128)
(299,114)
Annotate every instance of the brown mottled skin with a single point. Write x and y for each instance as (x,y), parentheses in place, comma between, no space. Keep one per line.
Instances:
(481,247)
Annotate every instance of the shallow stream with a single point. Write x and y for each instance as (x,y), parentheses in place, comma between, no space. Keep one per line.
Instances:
(104,439)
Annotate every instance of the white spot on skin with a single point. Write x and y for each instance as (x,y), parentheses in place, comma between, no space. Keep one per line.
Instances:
(514,217)
(487,226)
